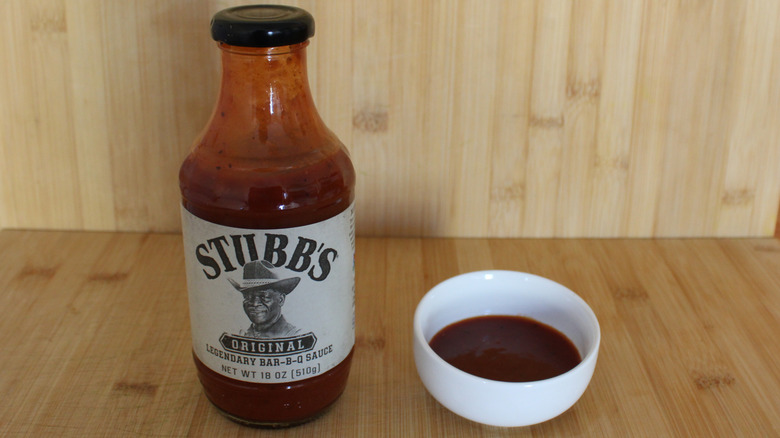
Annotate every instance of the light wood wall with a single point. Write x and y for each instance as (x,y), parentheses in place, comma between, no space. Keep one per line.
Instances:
(464,118)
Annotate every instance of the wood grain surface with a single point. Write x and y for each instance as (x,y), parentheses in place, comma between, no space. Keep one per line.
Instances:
(94,337)
(469,118)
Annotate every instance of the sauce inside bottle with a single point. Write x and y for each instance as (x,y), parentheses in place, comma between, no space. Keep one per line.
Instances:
(265,162)
(506,348)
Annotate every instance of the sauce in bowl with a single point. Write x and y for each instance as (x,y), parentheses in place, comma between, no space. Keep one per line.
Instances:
(506,348)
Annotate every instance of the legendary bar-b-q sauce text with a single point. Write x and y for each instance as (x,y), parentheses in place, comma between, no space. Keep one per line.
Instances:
(268,224)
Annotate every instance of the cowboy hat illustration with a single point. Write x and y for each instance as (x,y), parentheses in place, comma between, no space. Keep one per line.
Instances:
(258,276)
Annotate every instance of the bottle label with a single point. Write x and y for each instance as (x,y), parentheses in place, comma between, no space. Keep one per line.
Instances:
(271,306)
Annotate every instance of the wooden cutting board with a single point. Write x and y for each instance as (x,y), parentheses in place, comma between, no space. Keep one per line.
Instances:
(94,337)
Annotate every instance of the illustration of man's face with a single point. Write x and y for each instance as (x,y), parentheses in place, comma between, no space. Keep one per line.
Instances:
(263,307)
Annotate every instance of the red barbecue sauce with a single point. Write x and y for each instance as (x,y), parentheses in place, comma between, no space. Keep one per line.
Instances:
(266,160)
(506,348)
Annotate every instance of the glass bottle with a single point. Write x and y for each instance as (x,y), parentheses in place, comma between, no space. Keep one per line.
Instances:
(268,228)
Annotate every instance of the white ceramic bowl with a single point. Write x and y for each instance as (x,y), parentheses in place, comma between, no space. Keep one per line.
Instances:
(504,293)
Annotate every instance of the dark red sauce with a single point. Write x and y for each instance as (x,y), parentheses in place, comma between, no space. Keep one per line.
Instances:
(261,169)
(274,404)
(506,348)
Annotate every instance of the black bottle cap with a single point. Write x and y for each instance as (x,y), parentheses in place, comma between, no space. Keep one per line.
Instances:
(262,26)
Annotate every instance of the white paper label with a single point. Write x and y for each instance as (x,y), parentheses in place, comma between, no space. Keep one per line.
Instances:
(271,306)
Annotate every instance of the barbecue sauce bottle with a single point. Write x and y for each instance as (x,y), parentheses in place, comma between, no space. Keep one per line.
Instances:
(268,230)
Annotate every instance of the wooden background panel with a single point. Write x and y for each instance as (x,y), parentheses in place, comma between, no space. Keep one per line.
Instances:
(500,118)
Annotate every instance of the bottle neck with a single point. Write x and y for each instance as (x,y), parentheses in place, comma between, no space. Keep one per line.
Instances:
(265,99)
